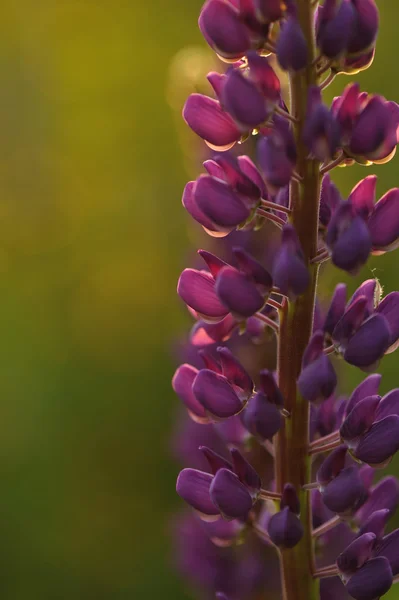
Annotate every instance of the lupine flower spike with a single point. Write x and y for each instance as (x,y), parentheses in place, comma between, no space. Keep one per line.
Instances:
(279,469)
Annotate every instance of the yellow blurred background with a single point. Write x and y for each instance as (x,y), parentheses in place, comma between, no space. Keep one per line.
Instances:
(92,239)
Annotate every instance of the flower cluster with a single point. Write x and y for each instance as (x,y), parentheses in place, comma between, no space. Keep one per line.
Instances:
(273,458)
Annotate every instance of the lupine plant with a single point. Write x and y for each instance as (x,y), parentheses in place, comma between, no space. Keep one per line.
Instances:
(284,468)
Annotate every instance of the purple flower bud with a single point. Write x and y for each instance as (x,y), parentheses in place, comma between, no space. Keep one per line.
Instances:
(332,465)
(389,405)
(321,132)
(182,384)
(334,27)
(385,495)
(263,75)
(373,580)
(209,121)
(238,293)
(291,47)
(246,473)
(275,160)
(233,370)
(290,273)
(389,548)
(330,199)
(221,26)
(372,131)
(216,394)
(197,290)
(214,460)
(251,171)
(219,202)
(191,206)
(383,223)
(253,269)
(242,99)
(290,498)
(380,443)
(285,529)
(318,379)
(348,238)
(194,487)
(230,496)
(362,197)
(360,419)
(368,387)
(262,418)
(350,322)
(356,554)
(346,492)
(217,81)
(376,523)
(389,309)
(346,108)
(369,343)
(365,26)
(370,290)
(336,309)
(269,387)
(227,168)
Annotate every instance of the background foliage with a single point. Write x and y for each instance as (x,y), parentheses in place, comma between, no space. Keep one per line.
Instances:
(92,238)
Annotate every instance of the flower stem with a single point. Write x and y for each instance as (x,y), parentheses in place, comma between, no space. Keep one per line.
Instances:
(327,526)
(293,464)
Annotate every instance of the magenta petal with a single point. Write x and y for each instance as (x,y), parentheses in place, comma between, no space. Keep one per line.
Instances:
(182,384)
(219,202)
(216,395)
(214,263)
(204,334)
(243,100)
(233,370)
(193,209)
(193,486)
(207,119)
(251,171)
(362,197)
(383,224)
(222,28)
(238,293)
(197,289)
(230,495)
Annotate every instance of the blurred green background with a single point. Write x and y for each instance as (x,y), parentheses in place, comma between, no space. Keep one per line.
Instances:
(92,239)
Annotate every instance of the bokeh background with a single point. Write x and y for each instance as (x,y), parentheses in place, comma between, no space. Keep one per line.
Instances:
(93,159)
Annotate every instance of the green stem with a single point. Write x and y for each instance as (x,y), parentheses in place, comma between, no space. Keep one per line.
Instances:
(293,464)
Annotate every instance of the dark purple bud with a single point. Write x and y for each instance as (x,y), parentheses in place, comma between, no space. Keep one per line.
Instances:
(389,405)
(368,387)
(350,322)
(238,293)
(389,309)
(209,121)
(360,419)
(383,224)
(269,10)
(194,487)
(243,100)
(214,263)
(356,554)
(236,178)
(262,418)
(214,460)
(182,384)
(318,379)
(362,197)
(246,473)
(230,496)
(190,204)
(370,582)
(291,47)
(346,108)
(233,370)
(376,523)
(335,27)
(285,529)
(254,270)
(380,443)
(263,75)
(336,309)
(372,136)
(251,171)
(197,290)
(330,199)
(275,163)
(269,387)
(369,343)
(216,395)
(290,498)
(221,26)
(385,495)
(219,202)
(389,548)
(346,492)
(348,238)
(367,475)
(290,273)
(332,465)
(321,132)
(365,26)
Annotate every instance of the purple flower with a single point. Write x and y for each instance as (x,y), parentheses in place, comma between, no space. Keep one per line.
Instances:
(322,133)
(292,51)
(290,273)
(318,379)
(334,27)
